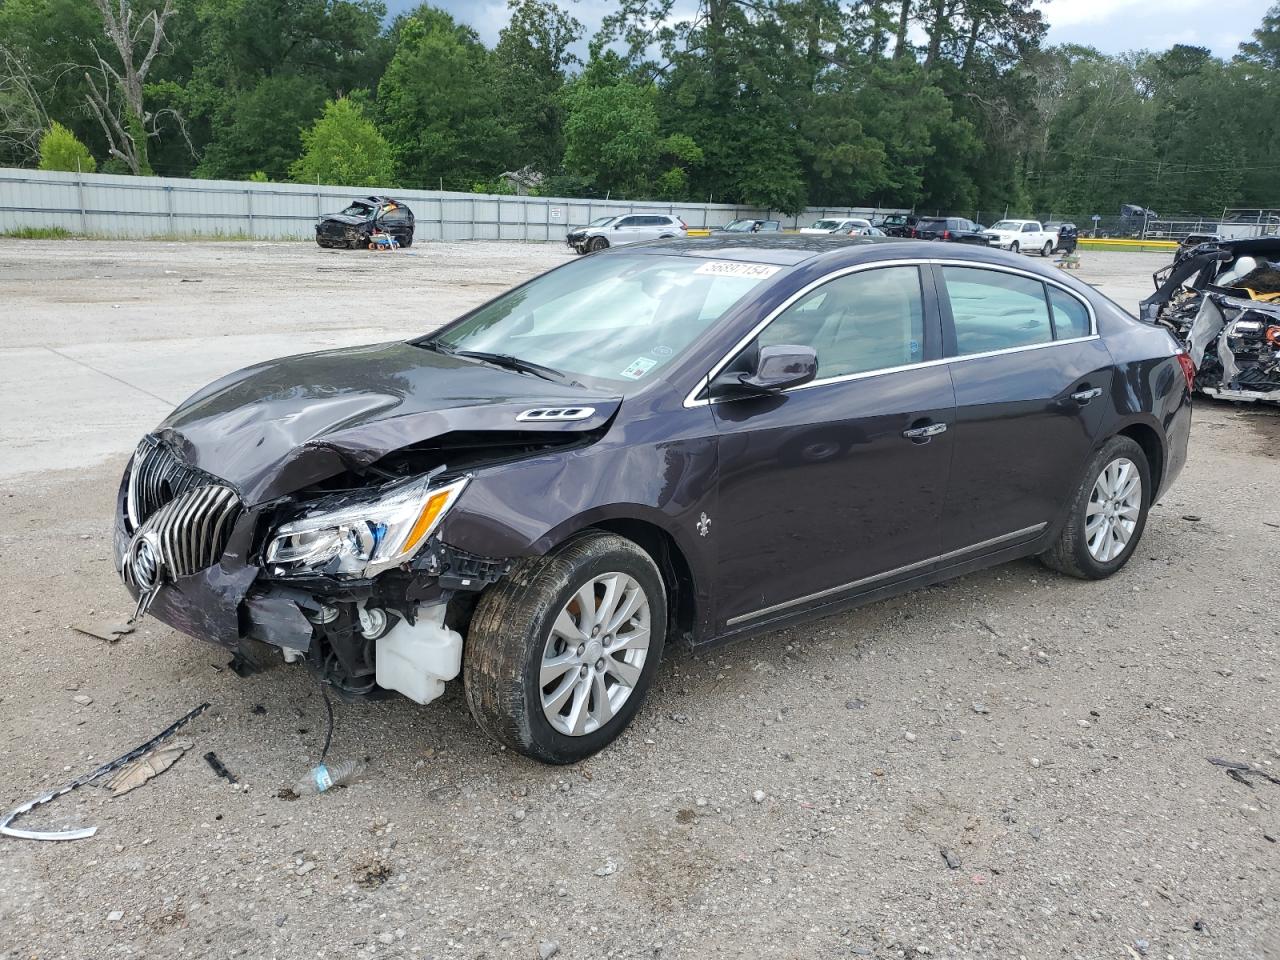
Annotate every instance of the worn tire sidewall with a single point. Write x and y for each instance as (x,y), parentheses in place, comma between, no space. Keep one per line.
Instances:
(554,745)
(1112,450)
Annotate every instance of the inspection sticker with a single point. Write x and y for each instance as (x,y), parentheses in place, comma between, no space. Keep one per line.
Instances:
(731,268)
(639,367)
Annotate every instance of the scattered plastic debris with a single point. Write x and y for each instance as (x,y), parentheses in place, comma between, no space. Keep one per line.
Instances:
(151,764)
(110,632)
(321,777)
(102,771)
(212,760)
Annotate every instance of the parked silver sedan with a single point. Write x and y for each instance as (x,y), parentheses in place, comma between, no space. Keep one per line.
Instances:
(605,232)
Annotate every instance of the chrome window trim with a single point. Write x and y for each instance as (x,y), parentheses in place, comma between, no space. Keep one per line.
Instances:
(866,581)
(693,400)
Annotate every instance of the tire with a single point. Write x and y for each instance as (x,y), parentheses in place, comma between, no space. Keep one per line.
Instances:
(1071,553)
(1047,249)
(596,244)
(406,242)
(1013,247)
(519,623)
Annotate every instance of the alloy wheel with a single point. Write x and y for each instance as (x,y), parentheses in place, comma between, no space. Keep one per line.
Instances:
(1115,505)
(594,656)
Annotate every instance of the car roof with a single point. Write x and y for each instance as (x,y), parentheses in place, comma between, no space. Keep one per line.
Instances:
(792,249)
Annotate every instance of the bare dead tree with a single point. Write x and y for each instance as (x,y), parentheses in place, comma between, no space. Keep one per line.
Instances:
(116,93)
(23,119)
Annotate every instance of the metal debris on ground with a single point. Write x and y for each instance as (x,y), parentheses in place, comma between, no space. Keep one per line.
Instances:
(114,765)
(110,632)
(212,760)
(1241,772)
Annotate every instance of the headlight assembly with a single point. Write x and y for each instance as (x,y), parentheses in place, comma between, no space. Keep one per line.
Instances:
(363,539)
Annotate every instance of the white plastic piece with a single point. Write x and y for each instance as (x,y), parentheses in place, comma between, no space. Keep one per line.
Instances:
(417,659)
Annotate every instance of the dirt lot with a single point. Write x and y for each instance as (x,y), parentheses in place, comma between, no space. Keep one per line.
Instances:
(1052,735)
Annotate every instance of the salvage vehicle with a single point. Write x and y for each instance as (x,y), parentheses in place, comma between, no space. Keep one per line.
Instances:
(685,441)
(897,224)
(949,229)
(605,232)
(1222,300)
(355,226)
(1068,235)
(749,225)
(1019,235)
(846,225)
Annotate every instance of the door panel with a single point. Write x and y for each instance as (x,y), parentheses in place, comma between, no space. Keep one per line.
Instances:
(819,487)
(1021,435)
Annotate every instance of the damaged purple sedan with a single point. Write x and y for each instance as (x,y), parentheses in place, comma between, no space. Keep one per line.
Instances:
(685,440)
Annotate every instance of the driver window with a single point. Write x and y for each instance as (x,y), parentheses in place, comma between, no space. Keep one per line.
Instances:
(865,321)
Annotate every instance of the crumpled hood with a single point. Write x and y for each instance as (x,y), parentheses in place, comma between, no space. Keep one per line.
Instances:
(279,426)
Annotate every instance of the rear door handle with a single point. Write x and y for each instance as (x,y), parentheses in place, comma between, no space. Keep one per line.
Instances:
(1084,396)
(924,433)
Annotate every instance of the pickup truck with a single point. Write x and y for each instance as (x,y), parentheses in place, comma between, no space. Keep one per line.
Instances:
(1022,235)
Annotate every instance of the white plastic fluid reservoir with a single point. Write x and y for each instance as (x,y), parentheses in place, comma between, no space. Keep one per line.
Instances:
(417,659)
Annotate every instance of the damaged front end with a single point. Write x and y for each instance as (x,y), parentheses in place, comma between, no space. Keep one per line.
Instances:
(1222,301)
(347,573)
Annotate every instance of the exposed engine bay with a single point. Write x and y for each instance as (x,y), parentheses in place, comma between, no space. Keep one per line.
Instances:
(1222,301)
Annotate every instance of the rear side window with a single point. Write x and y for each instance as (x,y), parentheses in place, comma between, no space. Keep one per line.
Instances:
(996,311)
(1070,318)
(865,321)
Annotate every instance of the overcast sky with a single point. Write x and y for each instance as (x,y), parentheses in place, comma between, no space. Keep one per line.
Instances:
(1110,25)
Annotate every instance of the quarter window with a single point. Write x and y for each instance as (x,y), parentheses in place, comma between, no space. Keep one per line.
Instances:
(996,311)
(865,321)
(1070,318)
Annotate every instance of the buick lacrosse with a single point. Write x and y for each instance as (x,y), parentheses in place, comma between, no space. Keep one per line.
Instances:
(687,440)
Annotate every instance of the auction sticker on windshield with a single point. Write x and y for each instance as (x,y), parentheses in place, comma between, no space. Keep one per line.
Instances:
(639,367)
(730,268)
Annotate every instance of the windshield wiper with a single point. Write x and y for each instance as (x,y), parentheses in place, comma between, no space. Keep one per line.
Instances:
(504,360)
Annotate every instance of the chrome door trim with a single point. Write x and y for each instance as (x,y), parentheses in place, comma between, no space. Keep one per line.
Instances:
(693,400)
(866,581)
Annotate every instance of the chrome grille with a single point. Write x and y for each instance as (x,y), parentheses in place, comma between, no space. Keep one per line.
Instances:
(185,514)
(157,477)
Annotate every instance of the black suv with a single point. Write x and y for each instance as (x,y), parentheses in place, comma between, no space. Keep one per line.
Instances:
(1067,233)
(951,229)
(362,218)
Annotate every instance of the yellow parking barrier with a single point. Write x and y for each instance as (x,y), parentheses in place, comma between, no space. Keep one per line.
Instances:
(1108,243)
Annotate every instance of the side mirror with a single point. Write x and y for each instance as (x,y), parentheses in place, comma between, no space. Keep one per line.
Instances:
(617,226)
(778,367)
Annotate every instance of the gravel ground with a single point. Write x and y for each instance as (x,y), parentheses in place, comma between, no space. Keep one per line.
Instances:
(790,796)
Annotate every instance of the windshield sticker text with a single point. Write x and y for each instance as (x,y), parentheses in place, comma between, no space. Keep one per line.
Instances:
(728,268)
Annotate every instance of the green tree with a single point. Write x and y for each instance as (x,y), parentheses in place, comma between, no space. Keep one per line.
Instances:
(344,147)
(60,150)
(259,128)
(611,136)
(438,106)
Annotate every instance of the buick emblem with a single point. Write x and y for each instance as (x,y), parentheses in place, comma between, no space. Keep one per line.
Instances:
(145,562)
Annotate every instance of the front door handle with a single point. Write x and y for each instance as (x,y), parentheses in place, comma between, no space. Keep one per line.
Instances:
(1084,396)
(924,433)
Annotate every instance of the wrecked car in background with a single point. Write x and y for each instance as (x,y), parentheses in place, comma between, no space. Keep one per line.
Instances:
(1222,300)
(353,227)
(689,440)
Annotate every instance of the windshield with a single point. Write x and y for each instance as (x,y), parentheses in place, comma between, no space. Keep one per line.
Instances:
(826,224)
(358,209)
(1008,225)
(740,226)
(616,318)
(601,221)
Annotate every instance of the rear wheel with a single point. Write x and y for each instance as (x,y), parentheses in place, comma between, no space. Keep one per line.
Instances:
(1047,249)
(1108,513)
(407,241)
(596,244)
(560,654)
(1013,247)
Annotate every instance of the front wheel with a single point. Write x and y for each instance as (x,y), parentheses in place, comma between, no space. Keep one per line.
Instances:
(1108,513)
(560,654)
(1047,249)
(1013,247)
(597,244)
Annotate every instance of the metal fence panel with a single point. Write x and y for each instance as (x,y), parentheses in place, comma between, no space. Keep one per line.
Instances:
(123,206)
